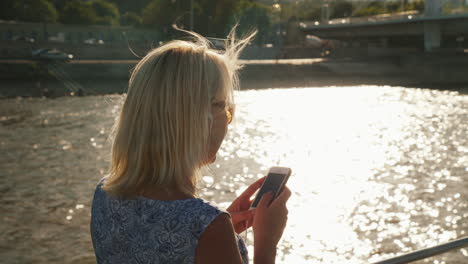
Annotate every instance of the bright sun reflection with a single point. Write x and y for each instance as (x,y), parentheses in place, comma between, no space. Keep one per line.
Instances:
(377,171)
(369,176)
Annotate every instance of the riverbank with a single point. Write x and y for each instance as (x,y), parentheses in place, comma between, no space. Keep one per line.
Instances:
(29,78)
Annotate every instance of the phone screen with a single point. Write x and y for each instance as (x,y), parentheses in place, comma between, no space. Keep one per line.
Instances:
(272,183)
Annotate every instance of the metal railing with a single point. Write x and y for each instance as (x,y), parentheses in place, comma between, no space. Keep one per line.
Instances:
(427,252)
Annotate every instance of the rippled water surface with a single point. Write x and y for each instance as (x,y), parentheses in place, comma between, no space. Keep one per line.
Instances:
(377,171)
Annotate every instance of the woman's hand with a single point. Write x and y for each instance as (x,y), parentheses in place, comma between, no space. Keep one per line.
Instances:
(241,216)
(269,223)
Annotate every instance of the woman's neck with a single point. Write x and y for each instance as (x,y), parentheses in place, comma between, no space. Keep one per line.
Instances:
(159,193)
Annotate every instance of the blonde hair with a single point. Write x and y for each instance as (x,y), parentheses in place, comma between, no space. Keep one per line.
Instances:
(161,137)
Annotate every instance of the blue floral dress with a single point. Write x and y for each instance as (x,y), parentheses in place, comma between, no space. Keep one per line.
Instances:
(144,230)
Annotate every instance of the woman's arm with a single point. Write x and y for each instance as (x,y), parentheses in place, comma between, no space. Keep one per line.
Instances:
(218,244)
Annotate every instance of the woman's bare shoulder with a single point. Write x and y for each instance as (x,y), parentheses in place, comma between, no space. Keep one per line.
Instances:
(218,243)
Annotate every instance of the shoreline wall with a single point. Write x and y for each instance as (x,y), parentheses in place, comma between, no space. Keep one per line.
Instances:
(30,79)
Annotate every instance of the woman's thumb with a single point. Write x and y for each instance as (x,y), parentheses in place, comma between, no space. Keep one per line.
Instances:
(265,200)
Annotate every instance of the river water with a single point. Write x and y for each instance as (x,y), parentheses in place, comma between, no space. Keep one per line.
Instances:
(377,171)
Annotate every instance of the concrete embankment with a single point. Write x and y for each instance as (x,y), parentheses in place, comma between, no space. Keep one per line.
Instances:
(28,78)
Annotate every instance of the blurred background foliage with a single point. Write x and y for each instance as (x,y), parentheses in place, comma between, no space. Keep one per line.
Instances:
(212,18)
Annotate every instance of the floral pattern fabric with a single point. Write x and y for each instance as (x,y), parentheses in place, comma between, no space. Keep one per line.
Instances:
(145,231)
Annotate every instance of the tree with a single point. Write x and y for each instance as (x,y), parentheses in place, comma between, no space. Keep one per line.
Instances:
(59,4)
(305,10)
(7,10)
(160,13)
(133,6)
(219,16)
(341,8)
(211,18)
(78,12)
(28,10)
(418,5)
(130,19)
(107,13)
(99,12)
(253,15)
(372,8)
(392,7)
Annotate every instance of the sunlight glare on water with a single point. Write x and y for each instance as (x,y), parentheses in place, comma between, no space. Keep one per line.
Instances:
(377,171)
(369,165)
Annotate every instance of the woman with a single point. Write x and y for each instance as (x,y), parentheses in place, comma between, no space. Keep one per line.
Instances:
(173,121)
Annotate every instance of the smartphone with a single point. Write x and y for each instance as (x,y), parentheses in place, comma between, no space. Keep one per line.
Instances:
(275,181)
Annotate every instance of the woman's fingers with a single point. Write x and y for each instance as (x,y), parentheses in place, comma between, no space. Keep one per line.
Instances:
(265,200)
(242,216)
(283,197)
(243,201)
(242,220)
(253,188)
